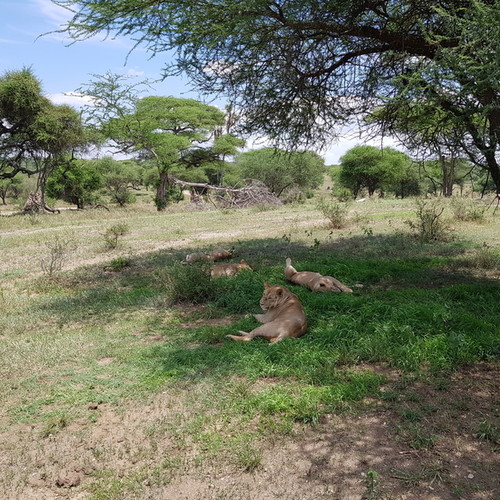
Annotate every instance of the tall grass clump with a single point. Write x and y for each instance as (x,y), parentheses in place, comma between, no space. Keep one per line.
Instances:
(467,210)
(336,212)
(181,283)
(430,224)
(483,257)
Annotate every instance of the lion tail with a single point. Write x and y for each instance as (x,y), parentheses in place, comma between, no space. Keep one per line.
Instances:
(243,338)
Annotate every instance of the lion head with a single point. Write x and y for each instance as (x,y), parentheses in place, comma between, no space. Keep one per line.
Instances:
(323,284)
(274,296)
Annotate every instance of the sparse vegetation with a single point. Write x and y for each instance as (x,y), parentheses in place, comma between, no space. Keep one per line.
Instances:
(58,250)
(142,351)
(430,224)
(113,234)
(335,212)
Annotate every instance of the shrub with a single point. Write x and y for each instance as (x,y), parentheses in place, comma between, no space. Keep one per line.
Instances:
(58,251)
(430,224)
(119,263)
(183,283)
(335,212)
(465,209)
(112,235)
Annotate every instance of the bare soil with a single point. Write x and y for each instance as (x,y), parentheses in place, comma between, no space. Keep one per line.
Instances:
(375,451)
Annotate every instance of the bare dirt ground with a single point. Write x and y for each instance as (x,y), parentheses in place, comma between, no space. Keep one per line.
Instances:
(376,451)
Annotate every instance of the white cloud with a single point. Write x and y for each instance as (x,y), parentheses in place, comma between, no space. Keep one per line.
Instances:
(58,17)
(74,99)
(11,41)
(56,14)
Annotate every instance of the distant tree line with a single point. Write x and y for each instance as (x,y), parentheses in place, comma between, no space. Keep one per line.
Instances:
(370,170)
(172,142)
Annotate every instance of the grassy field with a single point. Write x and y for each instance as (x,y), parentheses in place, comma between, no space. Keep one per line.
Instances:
(118,380)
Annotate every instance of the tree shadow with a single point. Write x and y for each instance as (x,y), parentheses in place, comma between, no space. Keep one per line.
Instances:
(392,276)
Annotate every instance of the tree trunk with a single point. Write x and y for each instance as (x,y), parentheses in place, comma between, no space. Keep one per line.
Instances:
(448,168)
(161,192)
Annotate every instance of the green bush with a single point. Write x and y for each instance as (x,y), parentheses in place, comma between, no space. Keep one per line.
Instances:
(113,234)
(336,213)
(430,224)
(465,209)
(181,283)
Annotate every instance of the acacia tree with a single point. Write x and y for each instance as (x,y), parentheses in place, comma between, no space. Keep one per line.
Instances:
(57,133)
(21,103)
(298,67)
(35,135)
(158,129)
(280,170)
(161,129)
(371,168)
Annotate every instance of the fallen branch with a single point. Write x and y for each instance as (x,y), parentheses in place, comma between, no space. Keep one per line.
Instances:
(253,193)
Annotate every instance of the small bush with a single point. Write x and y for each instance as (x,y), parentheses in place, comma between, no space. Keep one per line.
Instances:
(112,235)
(58,251)
(465,209)
(119,263)
(430,224)
(342,194)
(485,258)
(185,284)
(335,212)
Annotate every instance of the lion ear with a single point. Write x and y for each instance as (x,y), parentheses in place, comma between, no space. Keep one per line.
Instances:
(266,285)
(279,291)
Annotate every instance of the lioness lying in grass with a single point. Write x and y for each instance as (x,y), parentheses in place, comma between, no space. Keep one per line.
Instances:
(314,281)
(284,316)
(212,256)
(220,270)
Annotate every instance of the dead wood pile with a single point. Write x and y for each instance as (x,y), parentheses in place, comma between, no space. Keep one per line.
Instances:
(253,193)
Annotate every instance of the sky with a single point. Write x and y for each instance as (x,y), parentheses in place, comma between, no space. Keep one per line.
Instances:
(27,39)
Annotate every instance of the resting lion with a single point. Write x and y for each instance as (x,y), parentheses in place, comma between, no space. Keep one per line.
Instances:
(284,316)
(212,256)
(219,270)
(314,281)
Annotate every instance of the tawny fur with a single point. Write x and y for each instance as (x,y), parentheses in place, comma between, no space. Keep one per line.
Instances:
(314,281)
(220,254)
(284,316)
(212,256)
(220,270)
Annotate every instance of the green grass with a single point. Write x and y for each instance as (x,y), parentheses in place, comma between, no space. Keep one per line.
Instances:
(137,321)
(410,314)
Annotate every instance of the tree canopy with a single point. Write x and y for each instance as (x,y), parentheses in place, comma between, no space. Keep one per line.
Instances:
(299,67)
(371,168)
(280,170)
(35,135)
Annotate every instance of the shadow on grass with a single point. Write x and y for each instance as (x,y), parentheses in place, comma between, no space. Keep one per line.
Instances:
(412,308)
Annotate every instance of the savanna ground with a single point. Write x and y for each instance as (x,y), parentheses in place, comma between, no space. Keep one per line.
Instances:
(118,381)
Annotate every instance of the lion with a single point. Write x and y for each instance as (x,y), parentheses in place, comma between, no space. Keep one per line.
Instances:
(220,254)
(212,256)
(284,316)
(219,270)
(314,281)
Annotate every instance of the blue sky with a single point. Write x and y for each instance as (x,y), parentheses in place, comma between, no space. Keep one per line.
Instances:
(63,67)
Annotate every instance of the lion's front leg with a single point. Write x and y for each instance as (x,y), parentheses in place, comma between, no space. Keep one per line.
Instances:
(266,317)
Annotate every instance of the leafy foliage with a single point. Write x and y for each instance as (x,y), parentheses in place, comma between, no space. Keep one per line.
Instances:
(371,168)
(280,170)
(297,68)
(75,182)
